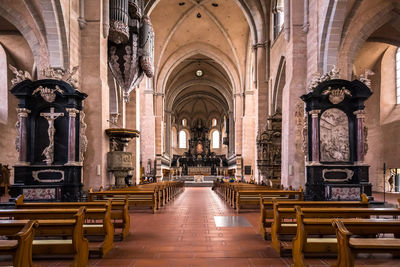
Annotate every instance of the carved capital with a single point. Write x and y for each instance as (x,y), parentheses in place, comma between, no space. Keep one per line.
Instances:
(23,112)
(314,113)
(360,114)
(72,112)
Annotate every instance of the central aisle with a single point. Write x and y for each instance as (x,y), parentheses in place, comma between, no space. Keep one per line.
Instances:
(184,234)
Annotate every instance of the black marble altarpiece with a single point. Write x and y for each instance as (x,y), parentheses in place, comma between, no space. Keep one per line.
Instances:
(337,140)
(50,140)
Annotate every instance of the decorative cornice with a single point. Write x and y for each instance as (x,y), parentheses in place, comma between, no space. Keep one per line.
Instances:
(61,75)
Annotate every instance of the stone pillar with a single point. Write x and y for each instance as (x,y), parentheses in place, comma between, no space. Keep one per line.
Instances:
(21,142)
(72,136)
(168,133)
(360,115)
(315,136)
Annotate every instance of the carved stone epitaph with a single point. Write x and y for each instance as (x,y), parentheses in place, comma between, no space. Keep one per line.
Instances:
(336,140)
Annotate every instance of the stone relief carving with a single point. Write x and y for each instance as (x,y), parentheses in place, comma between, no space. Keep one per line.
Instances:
(364,77)
(318,78)
(301,128)
(17,139)
(48,94)
(62,75)
(19,75)
(83,141)
(334,136)
(336,96)
(48,152)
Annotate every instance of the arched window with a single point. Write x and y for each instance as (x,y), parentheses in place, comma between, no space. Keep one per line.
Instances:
(277,10)
(215,139)
(398,76)
(182,139)
(214,122)
(184,122)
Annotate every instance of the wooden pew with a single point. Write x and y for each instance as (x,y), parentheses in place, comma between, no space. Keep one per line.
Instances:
(135,198)
(56,231)
(275,213)
(252,197)
(119,213)
(318,221)
(105,228)
(20,247)
(349,246)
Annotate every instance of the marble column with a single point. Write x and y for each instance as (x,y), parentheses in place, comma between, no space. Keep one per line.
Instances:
(360,115)
(315,136)
(72,136)
(21,142)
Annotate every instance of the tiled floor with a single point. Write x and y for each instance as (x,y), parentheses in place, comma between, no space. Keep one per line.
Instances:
(184,233)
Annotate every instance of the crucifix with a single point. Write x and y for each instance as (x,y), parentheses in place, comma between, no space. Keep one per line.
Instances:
(48,152)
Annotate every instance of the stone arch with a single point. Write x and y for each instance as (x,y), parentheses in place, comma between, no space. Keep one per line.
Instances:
(280,81)
(192,49)
(55,33)
(331,34)
(36,43)
(359,31)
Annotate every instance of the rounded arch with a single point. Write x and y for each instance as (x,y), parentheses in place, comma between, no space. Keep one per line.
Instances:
(367,23)
(331,33)
(280,82)
(192,49)
(3,85)
(36,43)
(56,33)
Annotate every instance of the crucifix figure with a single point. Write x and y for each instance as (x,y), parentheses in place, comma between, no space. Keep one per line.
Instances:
(48,152)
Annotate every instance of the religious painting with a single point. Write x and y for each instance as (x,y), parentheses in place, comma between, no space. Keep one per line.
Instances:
(334,136)
(199,148)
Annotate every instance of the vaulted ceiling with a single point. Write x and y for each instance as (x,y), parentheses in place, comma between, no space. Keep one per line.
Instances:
(212,33)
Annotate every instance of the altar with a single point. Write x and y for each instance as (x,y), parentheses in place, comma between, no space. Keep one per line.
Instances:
(205,171)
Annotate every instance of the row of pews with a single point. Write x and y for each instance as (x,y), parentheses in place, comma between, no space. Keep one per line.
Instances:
(330,228)
(243,196)
(78,229)
(301,229)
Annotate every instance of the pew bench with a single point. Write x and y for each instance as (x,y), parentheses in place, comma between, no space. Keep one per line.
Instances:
(313,221)
(283,221)
(349,246)
(135,198)
(252,198)
(20,246)
(100,226)
(54,233)
(119,213)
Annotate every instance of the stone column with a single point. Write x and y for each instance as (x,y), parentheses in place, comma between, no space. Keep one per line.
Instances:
(360,115)
(315,136)
(72,136)
(21,141)
(168,133)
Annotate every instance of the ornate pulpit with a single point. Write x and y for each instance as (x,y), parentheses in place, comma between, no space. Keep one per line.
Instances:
(337,140)
(51,138)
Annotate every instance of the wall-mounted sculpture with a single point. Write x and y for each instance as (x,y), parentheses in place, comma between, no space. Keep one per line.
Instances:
(131,44)
(336,137)
(50,139)
(269,150)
